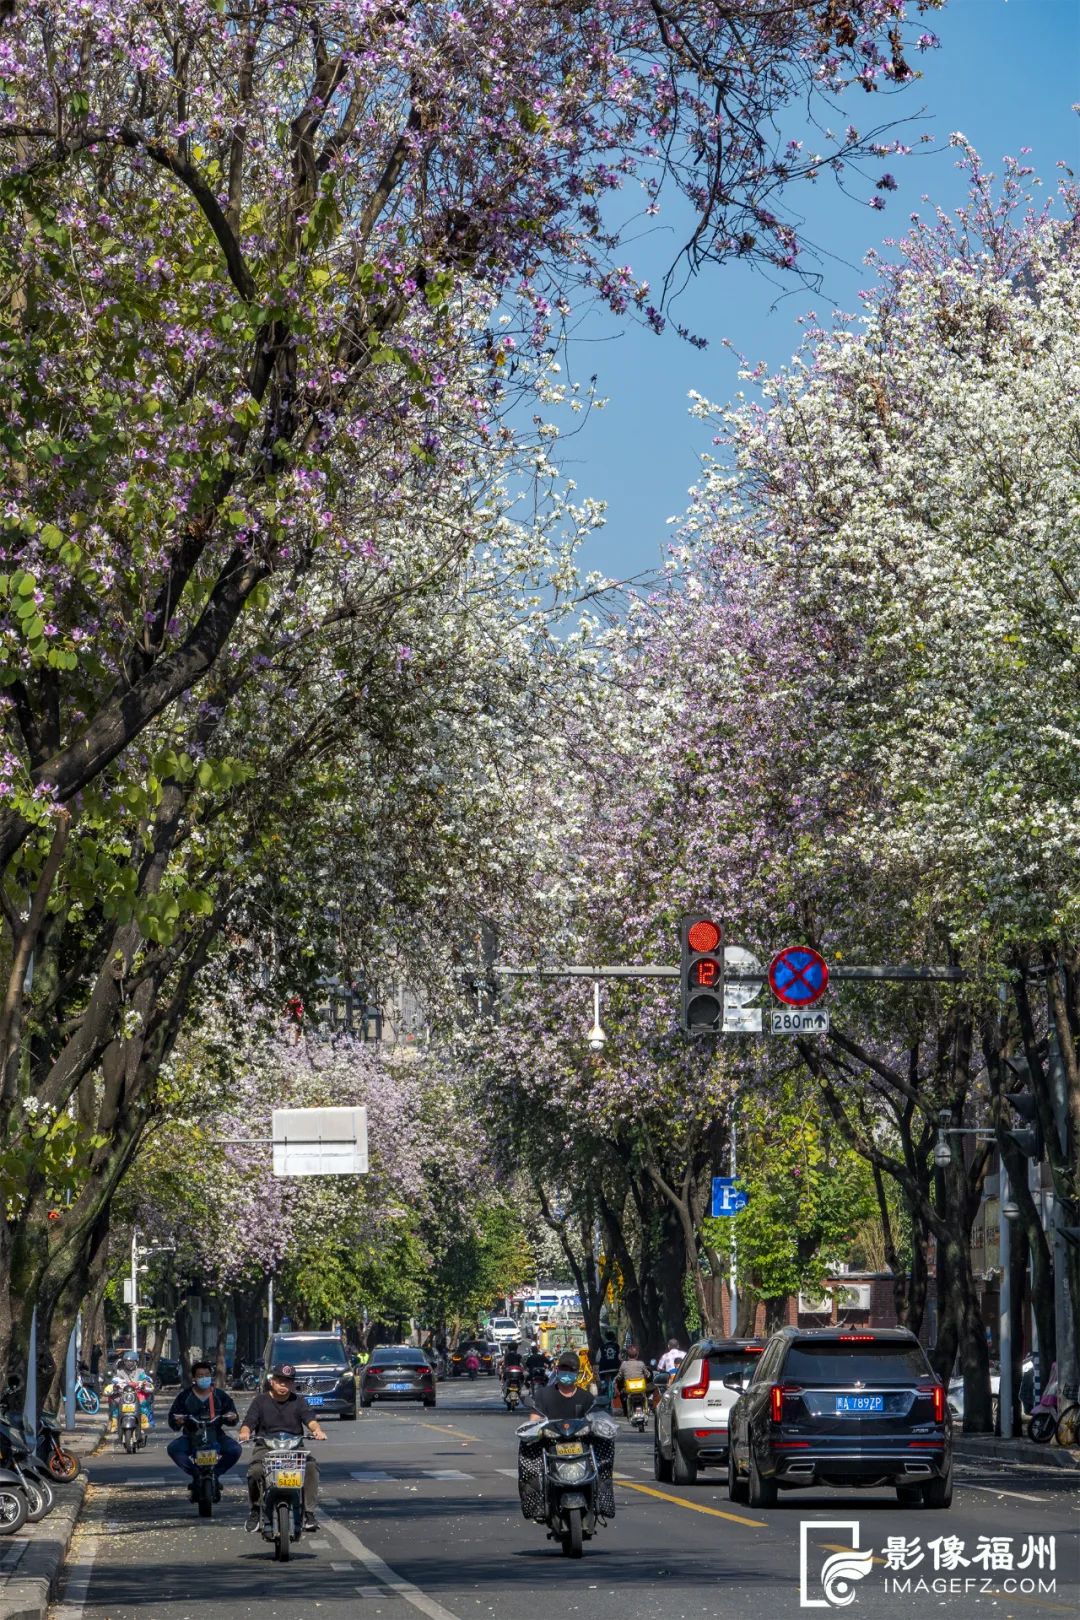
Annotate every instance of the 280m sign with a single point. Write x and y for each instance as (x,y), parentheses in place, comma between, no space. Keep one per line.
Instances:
(799,1021)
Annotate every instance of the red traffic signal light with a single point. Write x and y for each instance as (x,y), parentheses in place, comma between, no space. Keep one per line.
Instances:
(701,976)
(703,935)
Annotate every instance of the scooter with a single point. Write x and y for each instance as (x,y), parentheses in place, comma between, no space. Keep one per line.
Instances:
(59,1463)
(16,1457)
(512,1392)
(282,1501)
(636,1402)
(132,1435)
(1044,1414)
(205,1457)
(565,1476)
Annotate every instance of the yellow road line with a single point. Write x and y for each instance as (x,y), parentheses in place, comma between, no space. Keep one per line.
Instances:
(440,1428)
(695,1507)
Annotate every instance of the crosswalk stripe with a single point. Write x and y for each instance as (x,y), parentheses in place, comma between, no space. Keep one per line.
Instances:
(445,1473)
(372,1476)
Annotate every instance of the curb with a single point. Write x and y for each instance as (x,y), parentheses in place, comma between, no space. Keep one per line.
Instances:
(1024,1452)
(27,1594)
(32,1560)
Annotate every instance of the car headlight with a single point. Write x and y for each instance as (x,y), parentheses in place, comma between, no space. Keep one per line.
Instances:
(571,1473)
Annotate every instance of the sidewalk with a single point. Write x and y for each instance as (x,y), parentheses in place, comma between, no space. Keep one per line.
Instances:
(1018,1450)
(31,1560)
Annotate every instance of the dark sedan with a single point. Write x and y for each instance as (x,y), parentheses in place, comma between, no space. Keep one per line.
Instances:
(487,1355)
(846,1408)
(398,1372)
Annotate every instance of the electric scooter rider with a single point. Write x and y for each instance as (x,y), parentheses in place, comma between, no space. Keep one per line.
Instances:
(282,1411)
(631,1367)
(513,1368)
(128,1372)
(536,1366)
(205,1402)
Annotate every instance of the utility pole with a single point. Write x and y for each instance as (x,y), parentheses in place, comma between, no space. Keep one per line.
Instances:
(135,1289)
(1005,1383)
(734,1239)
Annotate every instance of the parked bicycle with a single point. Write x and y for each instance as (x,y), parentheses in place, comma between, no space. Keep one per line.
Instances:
(86,1399)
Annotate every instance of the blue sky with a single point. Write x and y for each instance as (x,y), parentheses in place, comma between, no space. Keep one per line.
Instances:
(1006,75)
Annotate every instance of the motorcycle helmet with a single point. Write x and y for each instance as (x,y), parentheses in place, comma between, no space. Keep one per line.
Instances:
(129,1361)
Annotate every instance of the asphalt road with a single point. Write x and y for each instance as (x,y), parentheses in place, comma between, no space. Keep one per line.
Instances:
(420,1516)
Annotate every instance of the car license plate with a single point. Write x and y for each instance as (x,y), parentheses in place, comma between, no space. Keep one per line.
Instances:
(291,1480)
(569,1448)
(207,1459)
(860,1403)
(314,1400)
(399,1386)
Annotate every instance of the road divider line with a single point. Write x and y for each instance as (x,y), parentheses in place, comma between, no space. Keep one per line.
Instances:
(77,1577)
(695,1507)
(384,1574)
(995,1490)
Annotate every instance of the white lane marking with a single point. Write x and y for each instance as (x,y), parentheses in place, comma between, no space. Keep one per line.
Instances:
(76,1587)
(382,1572)
(371,1477)
(445,1473)
(343,1568)
(379,1592)
(511,1473)
(318,1546)
(329,1501)
(1021,1496)
(141,1479)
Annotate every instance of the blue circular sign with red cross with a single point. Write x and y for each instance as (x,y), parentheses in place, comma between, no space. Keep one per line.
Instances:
(799,976)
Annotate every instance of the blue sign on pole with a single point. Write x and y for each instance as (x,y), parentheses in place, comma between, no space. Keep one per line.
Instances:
(727,1199)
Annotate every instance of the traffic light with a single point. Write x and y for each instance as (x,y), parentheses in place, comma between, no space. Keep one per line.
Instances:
(701,976)
(1029,1139)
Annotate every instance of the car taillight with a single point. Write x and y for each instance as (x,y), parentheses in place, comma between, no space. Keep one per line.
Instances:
(777,1394)
(696,1392)
(937,1394)
(857,1338)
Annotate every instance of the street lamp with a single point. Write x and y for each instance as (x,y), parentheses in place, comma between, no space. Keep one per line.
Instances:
(942,1153)
(1011,1210)
(596,1037)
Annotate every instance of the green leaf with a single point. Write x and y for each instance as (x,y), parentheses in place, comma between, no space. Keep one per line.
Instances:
(50,536)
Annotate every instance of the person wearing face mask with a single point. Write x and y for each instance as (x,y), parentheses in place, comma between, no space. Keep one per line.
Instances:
(563,1397)
(203,1401)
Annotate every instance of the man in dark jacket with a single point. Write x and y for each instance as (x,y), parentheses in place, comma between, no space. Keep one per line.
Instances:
(203,1402)
(281,1411)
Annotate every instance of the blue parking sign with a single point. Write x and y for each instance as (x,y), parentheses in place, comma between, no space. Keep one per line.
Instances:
(727,1199)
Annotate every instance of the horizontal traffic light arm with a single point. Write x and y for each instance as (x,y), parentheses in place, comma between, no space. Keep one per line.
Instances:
(731,974)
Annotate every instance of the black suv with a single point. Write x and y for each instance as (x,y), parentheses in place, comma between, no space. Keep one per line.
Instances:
(836,1406)
(324,1370)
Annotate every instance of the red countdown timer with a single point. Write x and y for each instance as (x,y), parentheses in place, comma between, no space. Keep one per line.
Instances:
(706,972)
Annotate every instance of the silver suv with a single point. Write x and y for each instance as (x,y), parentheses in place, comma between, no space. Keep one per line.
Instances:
(691,1422)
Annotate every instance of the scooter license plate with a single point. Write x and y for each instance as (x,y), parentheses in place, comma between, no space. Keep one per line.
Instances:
(207,1459)
(635,1385)
(569,1448)
(291,1481)
(128,1408)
